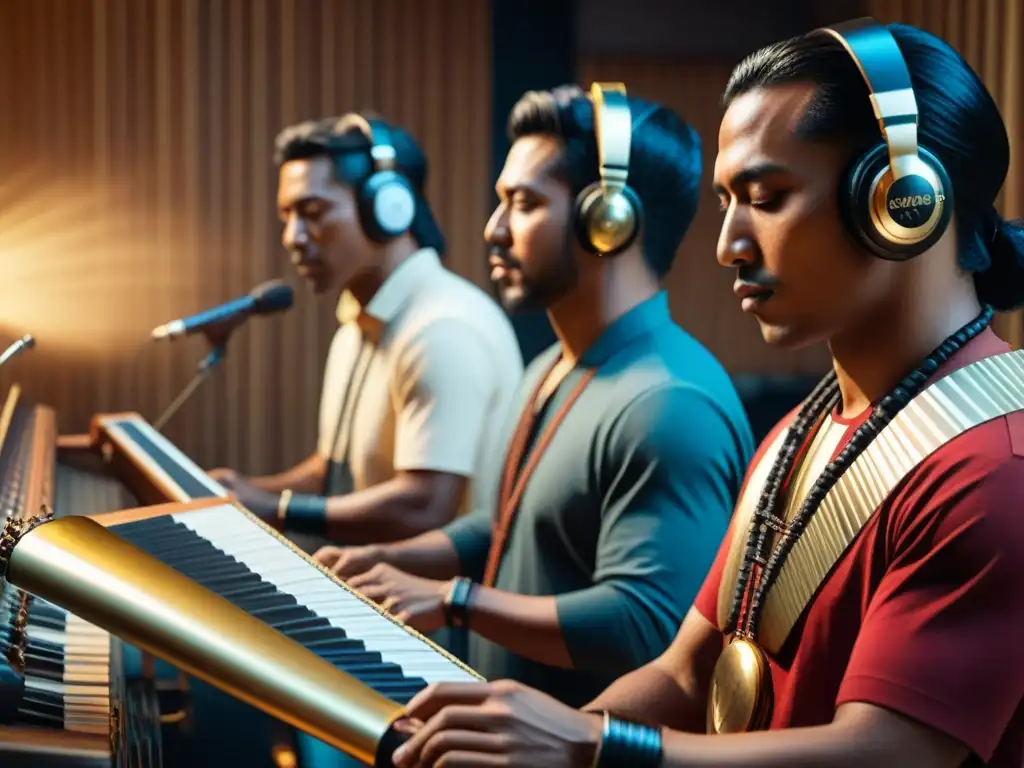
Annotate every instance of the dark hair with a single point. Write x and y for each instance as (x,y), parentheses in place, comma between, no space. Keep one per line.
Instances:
(349,151)
(959,122)
(664,162)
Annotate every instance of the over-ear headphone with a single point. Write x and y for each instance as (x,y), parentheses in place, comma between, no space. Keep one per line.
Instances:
(387,202)
(897,197)
(609,214)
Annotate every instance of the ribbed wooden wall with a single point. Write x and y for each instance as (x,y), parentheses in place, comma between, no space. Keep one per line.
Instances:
(700,291)
(137,186)
(989,34)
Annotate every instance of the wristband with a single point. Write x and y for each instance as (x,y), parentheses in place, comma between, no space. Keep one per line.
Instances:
(282,504)
(303,513)
(456,603)
(627,743)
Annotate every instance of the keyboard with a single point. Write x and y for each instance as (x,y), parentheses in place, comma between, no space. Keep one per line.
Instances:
(227,550)
(149,464)
(62,697)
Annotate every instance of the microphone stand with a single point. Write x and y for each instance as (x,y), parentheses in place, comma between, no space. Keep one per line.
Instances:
(217,336)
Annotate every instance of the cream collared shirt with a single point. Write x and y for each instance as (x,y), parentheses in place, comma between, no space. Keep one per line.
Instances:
(419,378)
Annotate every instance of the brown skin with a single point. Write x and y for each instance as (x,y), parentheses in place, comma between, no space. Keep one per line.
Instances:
(329,249)
(781,229)
(534,262)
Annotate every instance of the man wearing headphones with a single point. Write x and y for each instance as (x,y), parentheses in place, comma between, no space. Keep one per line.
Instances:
(626,443)
(865,607)
(422,364)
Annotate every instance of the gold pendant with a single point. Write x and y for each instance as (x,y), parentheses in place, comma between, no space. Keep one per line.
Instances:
(740,698)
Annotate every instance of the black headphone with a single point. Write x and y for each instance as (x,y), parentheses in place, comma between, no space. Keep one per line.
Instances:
(387,202)
(609,214)
(896,197)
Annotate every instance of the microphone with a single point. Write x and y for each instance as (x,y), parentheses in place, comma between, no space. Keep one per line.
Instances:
(23,344)
(265,299)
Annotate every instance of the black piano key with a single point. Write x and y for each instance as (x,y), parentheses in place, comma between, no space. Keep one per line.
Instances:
(12,689)
(45,647)
(47,623)
(44,669)
(41,719)
(310,636)
(47,700)
(348,659)
(328,634)
(44,614)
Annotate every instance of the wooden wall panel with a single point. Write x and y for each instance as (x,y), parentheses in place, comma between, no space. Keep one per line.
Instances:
(138,186)
(700,291)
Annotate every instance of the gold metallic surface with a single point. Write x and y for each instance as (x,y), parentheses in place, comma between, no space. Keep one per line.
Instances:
(879,209)
(740,697)
(77,564)
(611,221)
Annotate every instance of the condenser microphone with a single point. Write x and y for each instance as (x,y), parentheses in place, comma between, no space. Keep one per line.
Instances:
(23,344)
(265,299)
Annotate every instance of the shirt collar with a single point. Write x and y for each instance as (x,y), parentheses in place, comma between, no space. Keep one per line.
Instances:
(389,300)
(640,320)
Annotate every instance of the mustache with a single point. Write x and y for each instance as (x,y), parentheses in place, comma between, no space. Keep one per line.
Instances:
(505,257)
(756,275)
(305,255)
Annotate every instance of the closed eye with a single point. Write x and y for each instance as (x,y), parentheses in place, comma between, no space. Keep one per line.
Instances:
(769,202)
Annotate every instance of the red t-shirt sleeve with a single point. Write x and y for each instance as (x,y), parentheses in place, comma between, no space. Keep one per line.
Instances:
(706,601)
(942,639)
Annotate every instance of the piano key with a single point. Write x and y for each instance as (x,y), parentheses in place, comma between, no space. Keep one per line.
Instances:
(311,600)
(240,537)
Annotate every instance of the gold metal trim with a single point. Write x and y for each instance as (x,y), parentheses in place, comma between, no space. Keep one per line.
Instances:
(77,564)
(985,390)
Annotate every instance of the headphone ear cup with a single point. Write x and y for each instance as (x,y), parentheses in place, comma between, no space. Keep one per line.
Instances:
(590,207)
(387,206)
(859,202)
(584,204)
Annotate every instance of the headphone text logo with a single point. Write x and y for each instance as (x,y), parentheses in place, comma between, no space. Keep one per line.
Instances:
(909,201)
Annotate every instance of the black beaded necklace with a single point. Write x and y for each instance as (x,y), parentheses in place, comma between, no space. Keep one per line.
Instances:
(821,401)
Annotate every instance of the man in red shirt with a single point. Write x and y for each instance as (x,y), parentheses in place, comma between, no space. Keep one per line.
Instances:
(865,607)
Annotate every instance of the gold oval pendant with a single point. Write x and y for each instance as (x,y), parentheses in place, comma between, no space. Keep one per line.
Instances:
(740,698)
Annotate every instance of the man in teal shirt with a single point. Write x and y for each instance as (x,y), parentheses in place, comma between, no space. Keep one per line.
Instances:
(624,451)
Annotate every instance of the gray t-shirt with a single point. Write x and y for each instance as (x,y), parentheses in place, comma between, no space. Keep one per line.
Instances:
(627,507)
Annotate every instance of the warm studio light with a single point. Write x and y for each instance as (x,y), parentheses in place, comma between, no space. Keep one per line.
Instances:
(74,255)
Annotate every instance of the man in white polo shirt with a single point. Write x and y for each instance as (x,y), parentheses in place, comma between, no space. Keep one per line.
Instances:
(423,365)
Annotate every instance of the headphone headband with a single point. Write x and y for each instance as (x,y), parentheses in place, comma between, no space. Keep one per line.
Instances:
(880,62)
(382,151)
(608,213)
(613,130)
